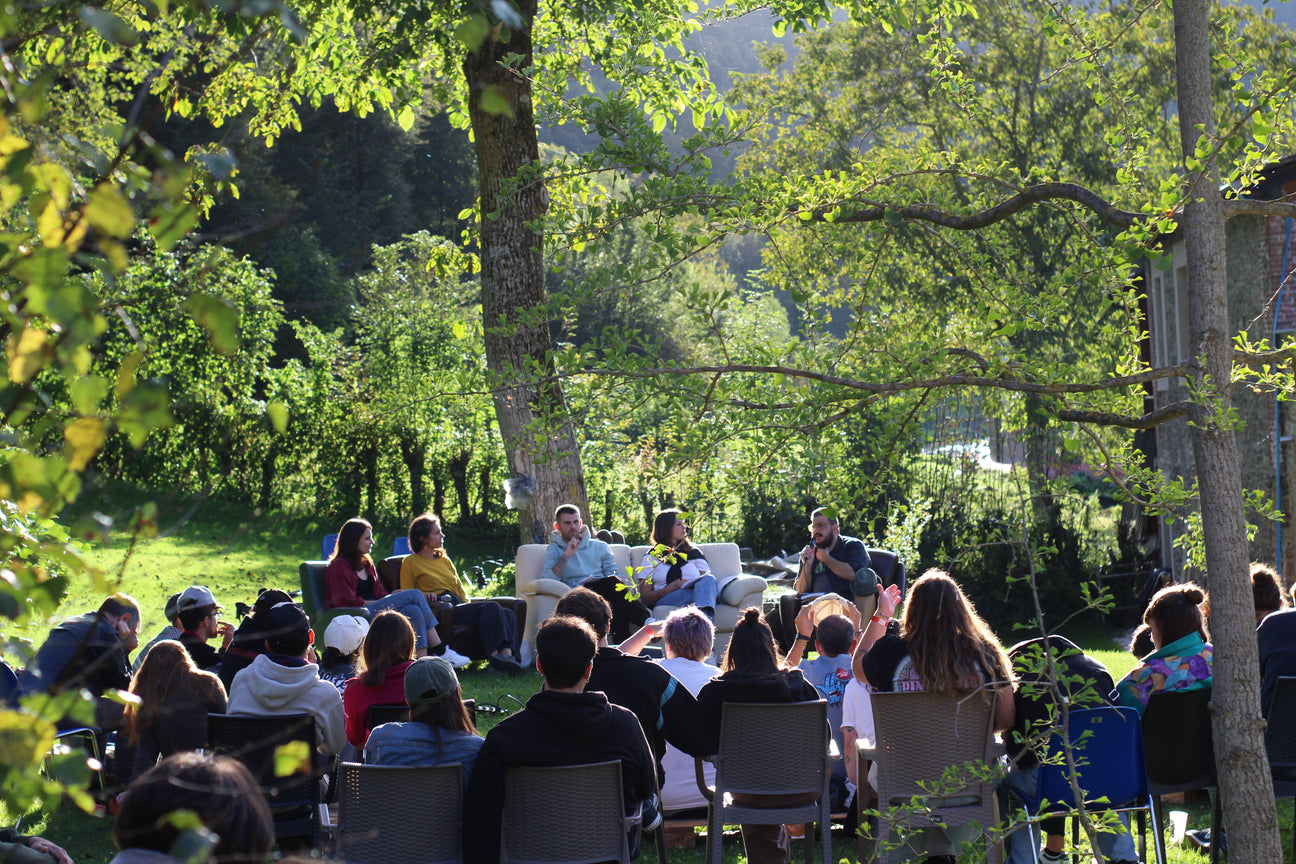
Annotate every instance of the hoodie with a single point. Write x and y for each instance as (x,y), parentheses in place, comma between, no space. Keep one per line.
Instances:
(593,558)
(787,685)
(554,728)
(270,687)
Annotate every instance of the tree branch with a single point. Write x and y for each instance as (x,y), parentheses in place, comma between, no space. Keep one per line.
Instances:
(1147,421)
(1024,198)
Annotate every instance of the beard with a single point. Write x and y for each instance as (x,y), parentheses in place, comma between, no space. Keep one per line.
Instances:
(825,542)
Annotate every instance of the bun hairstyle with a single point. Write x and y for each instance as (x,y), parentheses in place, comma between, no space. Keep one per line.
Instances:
(1177,612)
(751,647)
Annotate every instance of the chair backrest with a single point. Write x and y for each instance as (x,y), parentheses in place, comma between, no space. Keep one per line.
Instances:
(10,689)
(888,567)
(311,575)
(327,546)
(1107,747)
(400,545)
(1178,747)
(921,735)
(1280,732)
(567,814)
(293,797)
(747,764)
(389,571)
(400,815)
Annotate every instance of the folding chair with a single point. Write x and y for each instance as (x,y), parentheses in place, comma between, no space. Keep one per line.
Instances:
(1179,752)
(919,737)
(294,799)
(1106,746)
(565,814)
(1280,744)
(374,814)
(747,766)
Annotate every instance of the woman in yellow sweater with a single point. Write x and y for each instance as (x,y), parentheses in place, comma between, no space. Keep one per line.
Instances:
(431,571)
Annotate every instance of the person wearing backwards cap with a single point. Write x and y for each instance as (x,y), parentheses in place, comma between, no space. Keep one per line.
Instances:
(285,681)
(200,621)
(439,731)
(248,641)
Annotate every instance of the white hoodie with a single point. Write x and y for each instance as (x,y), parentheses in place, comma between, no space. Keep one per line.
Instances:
(266,688)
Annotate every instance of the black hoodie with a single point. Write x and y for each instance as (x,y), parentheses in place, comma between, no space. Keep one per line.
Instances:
(554,729)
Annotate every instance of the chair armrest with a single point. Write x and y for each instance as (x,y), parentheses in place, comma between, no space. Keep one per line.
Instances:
(547,587)
(699,773)
(735,590)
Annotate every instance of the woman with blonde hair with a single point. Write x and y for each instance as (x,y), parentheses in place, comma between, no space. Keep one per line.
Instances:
(385,654)
(940,645)
(171,716)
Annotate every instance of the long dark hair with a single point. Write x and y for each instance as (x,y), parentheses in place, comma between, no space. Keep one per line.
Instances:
(449,713)
(348,543)
(167,669)
(1177,613)
(751,647)
(661,532)
(390,641)
(420,530)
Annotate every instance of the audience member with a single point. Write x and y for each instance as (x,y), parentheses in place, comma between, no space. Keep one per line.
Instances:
(429,569)
(666,711)
(1182,660)
(753,673)
(829,672)
(249,641)
(1266,590)
(175,698)
(171,631)
(577,560)
(90,652)
(388,651)
(687,638)
(219,791)
(563,724)
(681,576)
(1276,639)
(857,728)
(285,681)
(440,730)
(342,640)
(351,579)
(200,620)
(18,849)
(1141,641)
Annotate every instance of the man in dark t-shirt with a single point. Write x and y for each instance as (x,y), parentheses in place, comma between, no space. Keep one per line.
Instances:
(200,623)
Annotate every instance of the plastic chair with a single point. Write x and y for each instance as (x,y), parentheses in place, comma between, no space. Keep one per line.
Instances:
(919,737)
(1280,743)
(1179,752)
(294,799)
(746,765)
(327,546)
(565,814)
(375,808)
(400,545)
(1107,748)
(314,597)
(10,688)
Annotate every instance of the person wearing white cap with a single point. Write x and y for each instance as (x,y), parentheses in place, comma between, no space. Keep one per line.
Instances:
(342,640)
(200,621)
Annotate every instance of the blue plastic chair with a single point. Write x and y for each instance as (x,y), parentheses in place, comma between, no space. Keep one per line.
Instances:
(327,547)
(10,688)
(1107,747)
(400,546)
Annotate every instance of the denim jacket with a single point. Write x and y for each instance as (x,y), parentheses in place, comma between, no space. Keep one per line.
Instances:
(415,744)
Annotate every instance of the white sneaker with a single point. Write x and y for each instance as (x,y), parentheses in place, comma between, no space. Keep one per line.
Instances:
(455,659)
(524,654)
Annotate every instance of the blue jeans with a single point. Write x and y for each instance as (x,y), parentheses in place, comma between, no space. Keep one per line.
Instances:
(414,606)
(701,592)
(1024,841)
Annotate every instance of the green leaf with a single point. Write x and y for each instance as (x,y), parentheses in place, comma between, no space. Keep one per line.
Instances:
(495,102)
(168,223)
(108,212)
(109,26)
(292,758)
(278,414)
(472,31)
(87,392)
(219,317)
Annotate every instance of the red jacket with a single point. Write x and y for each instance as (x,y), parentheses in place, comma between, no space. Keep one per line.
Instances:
(358,697)
(340,584)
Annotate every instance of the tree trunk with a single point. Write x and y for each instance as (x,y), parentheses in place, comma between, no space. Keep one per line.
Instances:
(533,419)
(458,466)
(1244,779)
(414,453)
(438,488)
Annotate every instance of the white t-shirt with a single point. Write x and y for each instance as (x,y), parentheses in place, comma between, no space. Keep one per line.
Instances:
(857,711)
(680,791)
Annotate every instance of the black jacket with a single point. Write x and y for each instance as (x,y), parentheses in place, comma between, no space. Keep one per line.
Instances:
(738,686)
(554,729)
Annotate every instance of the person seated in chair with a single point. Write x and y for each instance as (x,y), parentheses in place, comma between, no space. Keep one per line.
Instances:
(563,724)
(428,569)
(681,575)
(577,560)
(200,622)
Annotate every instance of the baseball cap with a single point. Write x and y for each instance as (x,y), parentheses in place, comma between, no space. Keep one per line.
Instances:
(172,606)
(428,680)
(345,633)
(195,597)
(282,619)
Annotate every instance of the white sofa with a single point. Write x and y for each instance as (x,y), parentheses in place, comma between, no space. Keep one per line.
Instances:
(737,589)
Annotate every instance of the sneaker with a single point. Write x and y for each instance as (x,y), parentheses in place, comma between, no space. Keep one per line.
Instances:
(524,654)
(1047,857)
(652,816)
(455,659)
(1201,838)
(505,663)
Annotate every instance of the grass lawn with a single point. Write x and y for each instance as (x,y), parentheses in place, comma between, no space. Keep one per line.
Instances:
(235,551)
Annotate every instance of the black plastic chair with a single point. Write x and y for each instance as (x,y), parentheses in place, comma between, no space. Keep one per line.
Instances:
(294,798)
(1280,744)
(1179,751)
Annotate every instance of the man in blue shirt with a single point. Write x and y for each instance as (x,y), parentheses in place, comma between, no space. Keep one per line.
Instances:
(578,560)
